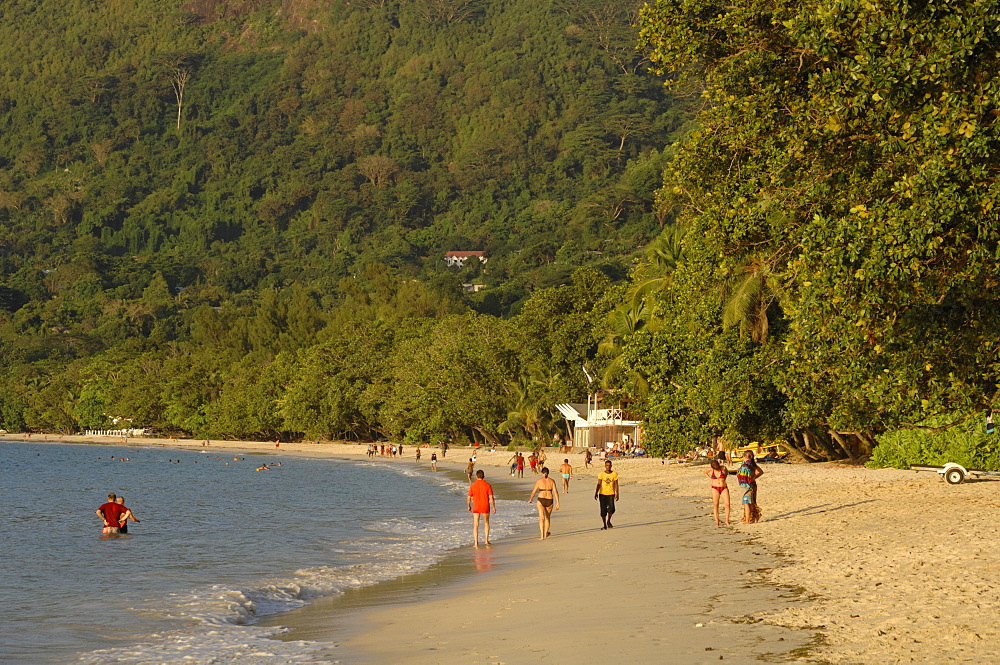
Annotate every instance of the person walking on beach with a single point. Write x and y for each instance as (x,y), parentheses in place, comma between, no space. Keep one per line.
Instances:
(533,463)
(469,468)
(567,471)
(111,513)
(418,453)
(126,516)
(546,486)
(717,474)
(607,493)
(520,465)
(747,476)
(588,457)
(434,461)
(481,502)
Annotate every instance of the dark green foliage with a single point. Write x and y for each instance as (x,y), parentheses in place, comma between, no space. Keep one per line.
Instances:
(966,444)
(229,218)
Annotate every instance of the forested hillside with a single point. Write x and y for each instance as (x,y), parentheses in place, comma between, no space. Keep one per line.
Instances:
(206,205)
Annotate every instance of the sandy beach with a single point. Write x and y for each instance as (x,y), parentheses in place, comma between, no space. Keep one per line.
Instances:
(850,565)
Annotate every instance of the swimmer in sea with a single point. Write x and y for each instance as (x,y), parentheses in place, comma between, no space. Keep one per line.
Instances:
(547,487)
(567,472)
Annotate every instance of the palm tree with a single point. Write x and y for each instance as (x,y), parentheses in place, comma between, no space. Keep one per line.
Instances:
(748,294)
(626,321)
(533,410)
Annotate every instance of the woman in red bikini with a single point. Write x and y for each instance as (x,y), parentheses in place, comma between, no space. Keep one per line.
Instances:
(717,474)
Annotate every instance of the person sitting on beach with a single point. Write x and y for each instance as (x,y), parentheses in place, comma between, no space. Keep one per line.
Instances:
(481,501)
(717,474)
(111,513)
(747,476)
(546,486)
(567,471)
(126,516)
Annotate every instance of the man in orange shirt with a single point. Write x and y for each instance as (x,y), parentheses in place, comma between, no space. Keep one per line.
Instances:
(481,500)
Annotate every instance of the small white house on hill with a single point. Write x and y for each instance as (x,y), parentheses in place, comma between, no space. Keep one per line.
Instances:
(458,259)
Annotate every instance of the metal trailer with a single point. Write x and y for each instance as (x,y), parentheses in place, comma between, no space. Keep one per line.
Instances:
(953,473)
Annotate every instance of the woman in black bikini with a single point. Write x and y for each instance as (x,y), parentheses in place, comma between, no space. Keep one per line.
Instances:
(717,474)
(548,497)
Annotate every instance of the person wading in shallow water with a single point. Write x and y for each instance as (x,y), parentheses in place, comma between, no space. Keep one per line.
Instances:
(548,498)
(111,513)
(126,516)
(481,501)
(607,493)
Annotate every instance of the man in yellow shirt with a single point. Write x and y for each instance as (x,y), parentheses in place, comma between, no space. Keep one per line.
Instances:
(607,494)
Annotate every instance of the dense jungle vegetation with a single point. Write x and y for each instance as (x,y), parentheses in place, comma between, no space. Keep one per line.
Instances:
(203,201)
(229,218)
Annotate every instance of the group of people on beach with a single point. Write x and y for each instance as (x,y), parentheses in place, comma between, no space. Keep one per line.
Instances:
(383,450)
(747,475)
(482,501)
(535,460)
(115,515)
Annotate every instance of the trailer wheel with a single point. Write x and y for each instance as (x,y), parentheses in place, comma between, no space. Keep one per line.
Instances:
(954,476)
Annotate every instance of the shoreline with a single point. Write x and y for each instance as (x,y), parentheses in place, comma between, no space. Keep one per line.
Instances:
(863,565)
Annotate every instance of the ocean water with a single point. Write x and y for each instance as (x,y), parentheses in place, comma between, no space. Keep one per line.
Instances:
(219,546)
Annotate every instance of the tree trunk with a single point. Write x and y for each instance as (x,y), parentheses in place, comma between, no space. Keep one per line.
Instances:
(844,445)
(800,449)
(825,449)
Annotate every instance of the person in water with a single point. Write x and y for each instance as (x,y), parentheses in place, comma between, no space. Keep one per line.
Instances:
(126,516)
(720,489)
(469,468)
(548,498)
(747,476)
(567,472)
(481,501)
(111,513)
(434,461)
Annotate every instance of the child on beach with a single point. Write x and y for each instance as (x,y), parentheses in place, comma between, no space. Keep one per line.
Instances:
(718,474)
(747,476)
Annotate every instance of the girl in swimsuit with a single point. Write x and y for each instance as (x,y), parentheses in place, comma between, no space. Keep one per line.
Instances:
(717,474)
(548,496)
